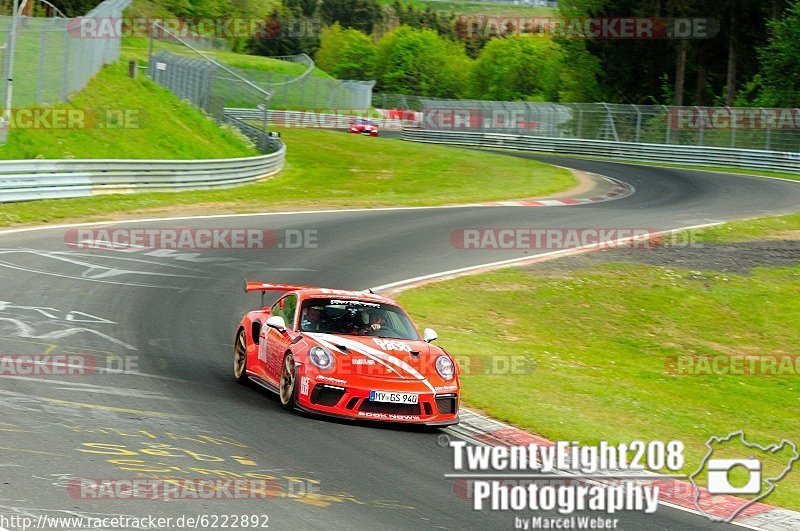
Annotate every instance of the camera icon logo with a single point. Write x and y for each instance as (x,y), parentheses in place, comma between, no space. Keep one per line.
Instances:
(719,476)
(734,484)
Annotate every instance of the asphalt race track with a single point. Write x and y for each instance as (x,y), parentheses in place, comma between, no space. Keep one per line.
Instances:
(173,315)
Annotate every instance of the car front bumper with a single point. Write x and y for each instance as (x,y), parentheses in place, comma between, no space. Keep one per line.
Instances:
(350,400)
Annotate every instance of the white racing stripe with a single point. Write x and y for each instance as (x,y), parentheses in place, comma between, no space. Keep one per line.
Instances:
(332,347)
(374,354)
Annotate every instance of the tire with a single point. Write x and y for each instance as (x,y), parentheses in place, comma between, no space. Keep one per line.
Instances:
(287,387)
(240,358)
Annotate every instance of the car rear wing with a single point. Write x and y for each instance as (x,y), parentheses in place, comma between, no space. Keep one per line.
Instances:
(264,287)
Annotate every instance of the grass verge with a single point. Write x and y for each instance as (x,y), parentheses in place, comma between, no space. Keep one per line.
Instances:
(127,118)
(333,169)
(459,7)
(601,339)
(137,48)
(718,169)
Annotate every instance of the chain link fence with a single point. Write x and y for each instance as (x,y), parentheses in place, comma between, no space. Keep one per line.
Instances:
(745,128)
(53,56)
(316,92)
(194,69)
(292,81)
(192,72)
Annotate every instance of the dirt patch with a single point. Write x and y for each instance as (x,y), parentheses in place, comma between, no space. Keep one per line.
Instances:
(738,258)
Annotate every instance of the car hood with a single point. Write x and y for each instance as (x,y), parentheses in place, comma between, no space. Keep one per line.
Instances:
(380,357)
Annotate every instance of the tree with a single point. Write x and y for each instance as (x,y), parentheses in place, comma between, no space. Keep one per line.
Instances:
(578,80)
(284,33)
(412,61)
(778,81)
(362,15)
(660,70)
(522,67)
(346,53)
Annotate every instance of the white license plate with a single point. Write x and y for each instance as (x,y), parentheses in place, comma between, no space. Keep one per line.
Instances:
(394,398)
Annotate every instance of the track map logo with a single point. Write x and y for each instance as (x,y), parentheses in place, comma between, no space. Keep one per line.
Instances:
(742,471)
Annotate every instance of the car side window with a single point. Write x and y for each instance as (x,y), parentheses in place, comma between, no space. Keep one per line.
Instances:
(286,308)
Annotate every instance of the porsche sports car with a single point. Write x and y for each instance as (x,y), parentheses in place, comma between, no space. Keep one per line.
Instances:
(347,354)
(364,127)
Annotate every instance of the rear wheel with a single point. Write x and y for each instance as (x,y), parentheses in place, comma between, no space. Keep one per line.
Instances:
(288,383)
(240,358)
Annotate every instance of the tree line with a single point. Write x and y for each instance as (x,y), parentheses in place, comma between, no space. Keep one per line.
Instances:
(747,53)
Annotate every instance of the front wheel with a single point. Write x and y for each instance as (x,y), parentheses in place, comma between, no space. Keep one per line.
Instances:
(288,383)
(240,358)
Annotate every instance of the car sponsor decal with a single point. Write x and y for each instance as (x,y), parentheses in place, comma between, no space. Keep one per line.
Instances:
(352,294)
(262,345)
(330,346)
(375,354)
(363,361)
(389,344)
(328,379)
(355,303)
(304,385)
(387,416)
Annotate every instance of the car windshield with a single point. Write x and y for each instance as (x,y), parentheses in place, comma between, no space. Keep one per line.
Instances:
(356,317)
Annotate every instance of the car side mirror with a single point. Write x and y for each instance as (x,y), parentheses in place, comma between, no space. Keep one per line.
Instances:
(430,335)
(277,322)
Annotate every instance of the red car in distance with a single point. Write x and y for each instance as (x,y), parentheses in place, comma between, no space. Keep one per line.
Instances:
(362,126)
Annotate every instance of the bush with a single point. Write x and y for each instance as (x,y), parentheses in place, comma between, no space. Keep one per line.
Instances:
(412,61)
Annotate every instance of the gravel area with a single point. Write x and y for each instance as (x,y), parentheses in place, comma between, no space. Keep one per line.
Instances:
(738,258)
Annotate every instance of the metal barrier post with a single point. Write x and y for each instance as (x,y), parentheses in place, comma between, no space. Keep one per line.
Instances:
(638,123)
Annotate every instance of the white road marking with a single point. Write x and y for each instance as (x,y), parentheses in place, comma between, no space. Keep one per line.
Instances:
(552,255)
(25,330)
(87,387)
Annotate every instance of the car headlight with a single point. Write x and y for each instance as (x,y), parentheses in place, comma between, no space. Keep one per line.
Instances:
(445,367)
(320,358)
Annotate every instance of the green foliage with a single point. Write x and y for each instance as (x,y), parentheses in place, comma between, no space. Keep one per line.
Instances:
(326,169)
(534,68)
(346,53)
(778,82)
(285,32)
(518,68)
(74,8)
(578,81)
(602,336)
(362,15)
(160,126)
(414,61)
(645,70)
(424,18)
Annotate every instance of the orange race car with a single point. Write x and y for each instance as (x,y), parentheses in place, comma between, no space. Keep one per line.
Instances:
(348,354)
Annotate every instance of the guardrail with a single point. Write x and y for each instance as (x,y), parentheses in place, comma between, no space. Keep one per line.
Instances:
(263,141)
(780,161)
(310,119)
(24,180)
